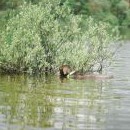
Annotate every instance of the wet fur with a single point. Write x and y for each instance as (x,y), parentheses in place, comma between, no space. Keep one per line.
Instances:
(64,70)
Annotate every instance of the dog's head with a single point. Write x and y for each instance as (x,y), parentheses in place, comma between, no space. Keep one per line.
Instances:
(64,70)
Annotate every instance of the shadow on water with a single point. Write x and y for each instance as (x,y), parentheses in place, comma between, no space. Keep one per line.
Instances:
(47,103)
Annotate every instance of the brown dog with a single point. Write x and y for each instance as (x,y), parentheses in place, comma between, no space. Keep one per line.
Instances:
(65,71)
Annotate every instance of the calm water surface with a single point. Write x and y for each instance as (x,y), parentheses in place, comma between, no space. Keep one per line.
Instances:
(46,103)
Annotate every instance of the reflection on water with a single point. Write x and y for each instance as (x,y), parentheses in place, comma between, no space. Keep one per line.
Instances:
(46,103)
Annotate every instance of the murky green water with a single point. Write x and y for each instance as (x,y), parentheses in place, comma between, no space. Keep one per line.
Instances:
(46,103)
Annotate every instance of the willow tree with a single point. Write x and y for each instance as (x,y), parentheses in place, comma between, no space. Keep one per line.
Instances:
(44,36)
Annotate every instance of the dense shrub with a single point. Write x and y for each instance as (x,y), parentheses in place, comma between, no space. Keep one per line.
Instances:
(47,35)
(112,11)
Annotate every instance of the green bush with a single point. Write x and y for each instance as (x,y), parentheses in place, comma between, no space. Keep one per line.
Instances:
(126,21)
(47,35)
(112,19)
